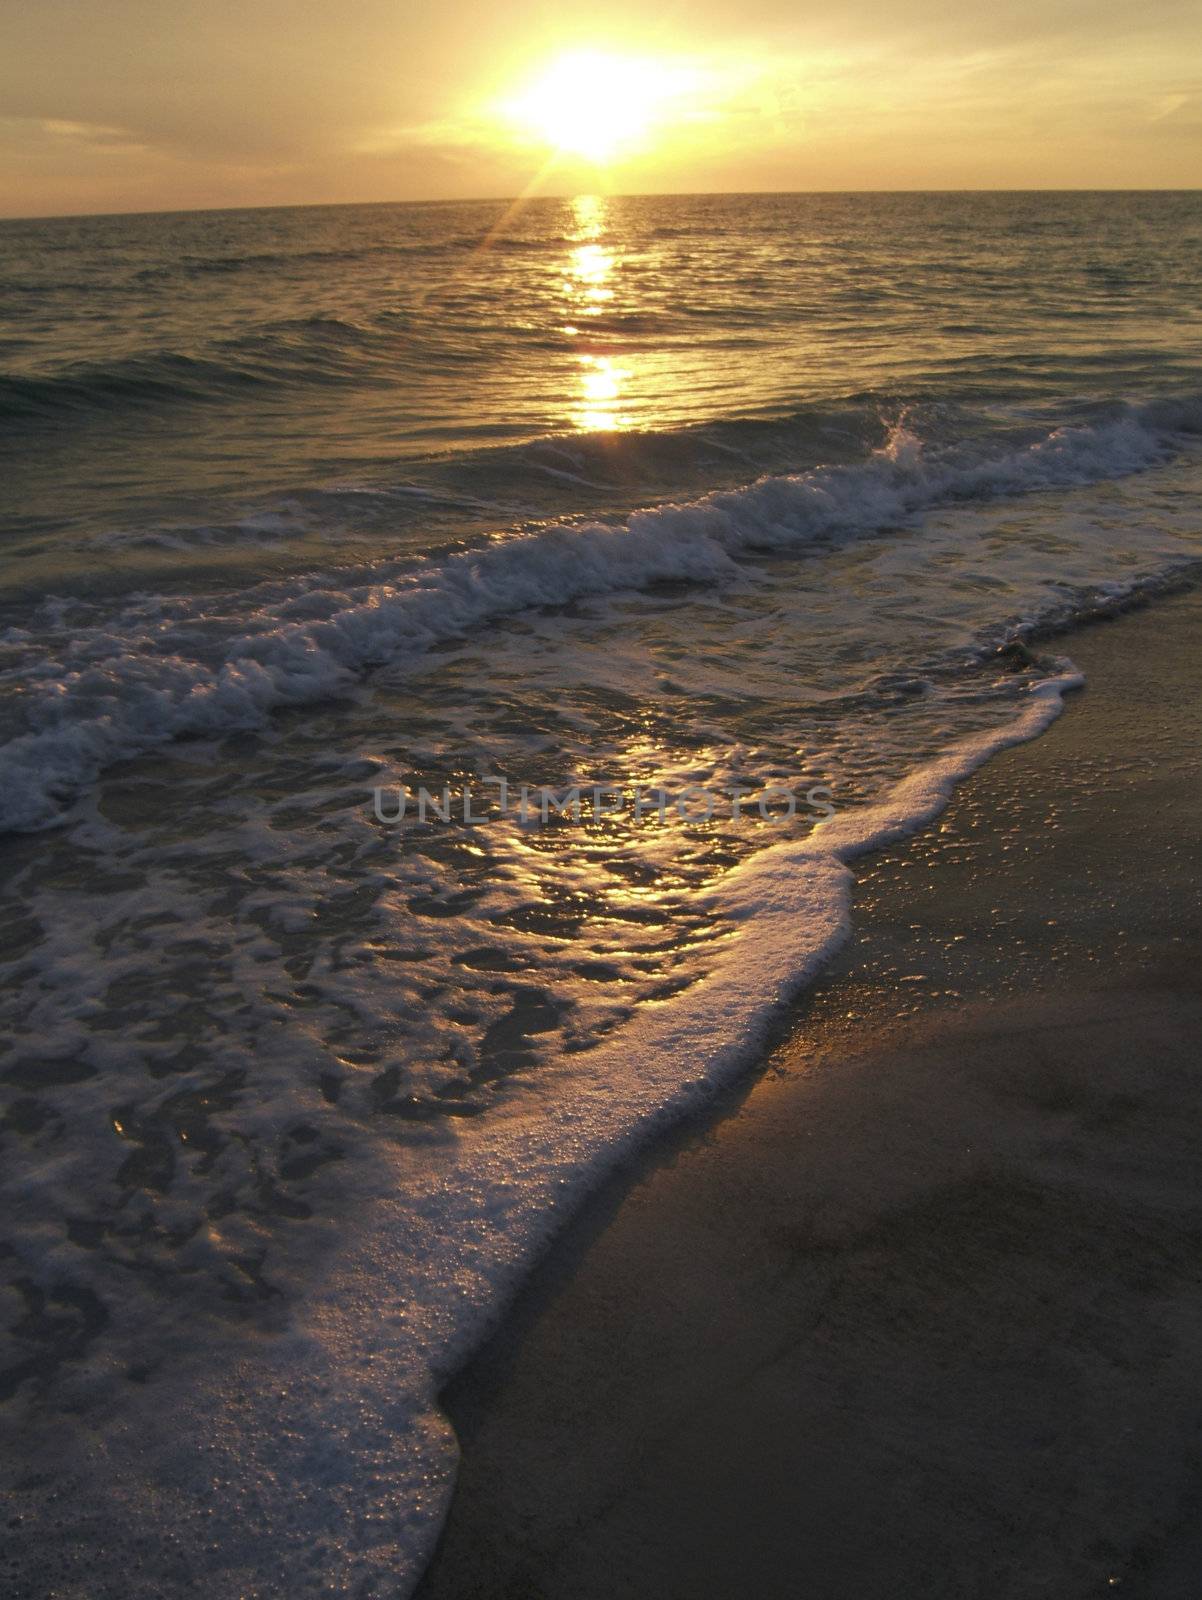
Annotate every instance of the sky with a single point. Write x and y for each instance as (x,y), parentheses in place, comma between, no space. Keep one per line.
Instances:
(151,105)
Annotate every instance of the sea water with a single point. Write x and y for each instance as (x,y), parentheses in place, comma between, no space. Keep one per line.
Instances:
(765,509)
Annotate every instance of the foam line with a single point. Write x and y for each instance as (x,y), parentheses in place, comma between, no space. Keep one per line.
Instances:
(336,1462)
(119,694)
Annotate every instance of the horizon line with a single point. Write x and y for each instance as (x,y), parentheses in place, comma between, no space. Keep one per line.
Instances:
(655,194)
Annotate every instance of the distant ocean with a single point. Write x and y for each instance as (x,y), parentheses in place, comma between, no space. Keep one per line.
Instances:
(783,497)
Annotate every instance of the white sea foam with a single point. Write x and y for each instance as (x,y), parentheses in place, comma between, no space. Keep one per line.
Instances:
(314,1460)
(293,1443)
(211,667)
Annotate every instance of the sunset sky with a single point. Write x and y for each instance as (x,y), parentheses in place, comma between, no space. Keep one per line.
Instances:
(141,105)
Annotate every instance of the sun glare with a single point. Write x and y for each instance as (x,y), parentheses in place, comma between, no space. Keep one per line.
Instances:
(598,106)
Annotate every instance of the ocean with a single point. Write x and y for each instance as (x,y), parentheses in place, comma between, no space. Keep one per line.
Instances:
(450,656)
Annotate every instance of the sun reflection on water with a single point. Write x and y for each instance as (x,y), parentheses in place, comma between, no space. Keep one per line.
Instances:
(589,267)
(590,292)
(601,380)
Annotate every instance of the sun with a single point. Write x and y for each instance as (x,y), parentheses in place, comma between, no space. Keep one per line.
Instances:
(599,106)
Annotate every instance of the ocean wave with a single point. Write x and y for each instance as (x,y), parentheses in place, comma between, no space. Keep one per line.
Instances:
(301,352)
(444,1229)
(121,691)
(138,381)
(317,349)
(199,266)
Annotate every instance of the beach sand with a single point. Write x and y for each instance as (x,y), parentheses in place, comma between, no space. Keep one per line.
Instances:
(919,1312)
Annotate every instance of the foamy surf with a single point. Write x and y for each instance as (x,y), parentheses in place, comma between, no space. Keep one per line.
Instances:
(316,1461)
(128,686)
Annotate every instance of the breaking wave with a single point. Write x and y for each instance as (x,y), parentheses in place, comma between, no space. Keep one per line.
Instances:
(205,668)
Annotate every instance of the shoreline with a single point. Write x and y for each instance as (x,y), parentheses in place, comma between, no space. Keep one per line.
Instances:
(673,1406)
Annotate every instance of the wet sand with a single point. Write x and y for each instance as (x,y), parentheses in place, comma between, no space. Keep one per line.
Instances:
(919,1313)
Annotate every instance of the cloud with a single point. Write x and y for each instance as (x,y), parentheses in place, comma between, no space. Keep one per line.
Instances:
(66,131)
